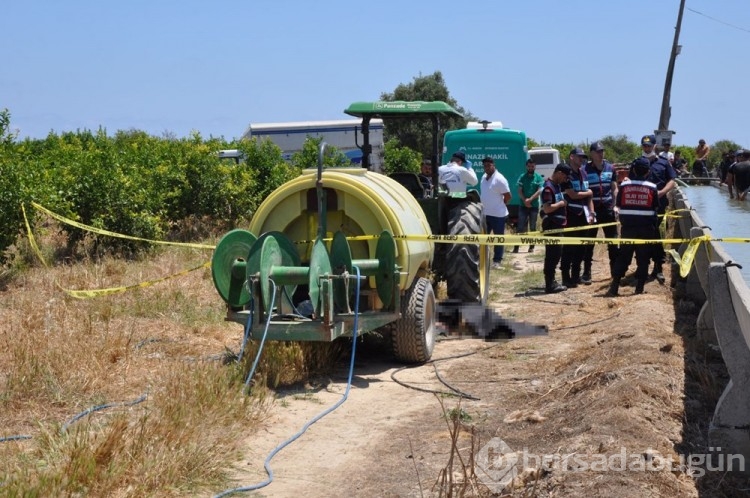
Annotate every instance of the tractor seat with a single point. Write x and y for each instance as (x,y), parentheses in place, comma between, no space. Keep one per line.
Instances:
(410,182)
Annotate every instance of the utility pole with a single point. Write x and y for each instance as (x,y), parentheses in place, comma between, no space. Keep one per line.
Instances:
(663,133)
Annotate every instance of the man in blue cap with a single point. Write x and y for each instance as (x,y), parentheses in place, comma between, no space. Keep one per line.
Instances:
(580,212)
(602,180)
(662,175)
(554,217)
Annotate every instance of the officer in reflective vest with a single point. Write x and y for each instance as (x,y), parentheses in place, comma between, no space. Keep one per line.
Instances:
(580,213)
(637,205)
(603,183)
(663,176)
(554,216)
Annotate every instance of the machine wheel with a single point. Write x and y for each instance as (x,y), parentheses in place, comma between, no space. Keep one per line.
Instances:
(414,334)
(463,265)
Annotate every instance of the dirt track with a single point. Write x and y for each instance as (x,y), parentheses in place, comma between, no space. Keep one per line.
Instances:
(616,378)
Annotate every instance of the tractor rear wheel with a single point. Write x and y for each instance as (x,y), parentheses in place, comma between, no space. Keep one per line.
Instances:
(462,260)
(414,333)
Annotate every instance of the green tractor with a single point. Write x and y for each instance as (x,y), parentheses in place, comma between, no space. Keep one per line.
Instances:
(467,274)
(339,247)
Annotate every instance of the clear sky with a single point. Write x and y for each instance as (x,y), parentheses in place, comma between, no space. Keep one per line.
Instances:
(563,71)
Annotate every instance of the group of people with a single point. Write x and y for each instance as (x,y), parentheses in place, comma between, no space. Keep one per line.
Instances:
(584,192)
(495,194)
(580,194)
(738,175)
(733,170)
(699,168)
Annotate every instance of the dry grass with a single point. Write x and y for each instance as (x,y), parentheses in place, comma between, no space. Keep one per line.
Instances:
(60,356)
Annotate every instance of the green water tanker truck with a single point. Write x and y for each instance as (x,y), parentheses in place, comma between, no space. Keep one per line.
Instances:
(505,146)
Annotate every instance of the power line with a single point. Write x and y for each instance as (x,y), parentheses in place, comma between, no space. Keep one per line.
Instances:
(719,20)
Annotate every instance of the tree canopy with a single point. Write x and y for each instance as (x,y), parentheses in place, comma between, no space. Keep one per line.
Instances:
(418,135)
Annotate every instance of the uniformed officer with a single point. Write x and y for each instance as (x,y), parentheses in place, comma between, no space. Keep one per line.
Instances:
(580,211)
(662,175)
(554,217)
(637,205)
(602,181)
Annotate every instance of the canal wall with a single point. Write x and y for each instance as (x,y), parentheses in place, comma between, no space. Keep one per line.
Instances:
(716,282)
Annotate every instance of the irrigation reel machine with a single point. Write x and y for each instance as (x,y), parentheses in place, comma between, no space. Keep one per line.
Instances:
(333,237)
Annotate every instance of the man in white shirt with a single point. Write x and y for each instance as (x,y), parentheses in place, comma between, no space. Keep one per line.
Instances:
(457,174)
(667,154)
(495,194)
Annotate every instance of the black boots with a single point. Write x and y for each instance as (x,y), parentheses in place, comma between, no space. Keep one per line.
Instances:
(554,288)
(614,287)
(568,281)
(586,277)
(551,286)
(657,275)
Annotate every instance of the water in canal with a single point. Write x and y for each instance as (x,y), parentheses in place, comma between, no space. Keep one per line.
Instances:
(726,217)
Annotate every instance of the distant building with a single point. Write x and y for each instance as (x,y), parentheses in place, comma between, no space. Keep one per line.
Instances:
(343,134)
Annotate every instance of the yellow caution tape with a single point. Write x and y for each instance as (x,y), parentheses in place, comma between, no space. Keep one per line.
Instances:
(32,240)
(574,229)
(676,256)
(505,240)
(689,255)
(535,238)
(738,240)
(663,227)
(86,294)
(671,213)
(115,234)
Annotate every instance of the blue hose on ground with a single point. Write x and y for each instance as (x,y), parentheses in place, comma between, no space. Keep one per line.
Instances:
(14,438)
(88,411)
(248,326)
(267,463)
(99,408)
(262,339)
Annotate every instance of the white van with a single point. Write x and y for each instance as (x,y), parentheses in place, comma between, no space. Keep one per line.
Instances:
(546,158)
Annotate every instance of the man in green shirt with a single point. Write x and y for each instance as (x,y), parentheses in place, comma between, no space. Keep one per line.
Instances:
(529,188)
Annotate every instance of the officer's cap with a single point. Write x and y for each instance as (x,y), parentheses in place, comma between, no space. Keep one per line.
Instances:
(648,140)
(641,165)
(596,146)
(577,151)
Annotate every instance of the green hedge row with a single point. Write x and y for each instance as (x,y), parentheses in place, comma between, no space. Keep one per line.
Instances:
(133,183)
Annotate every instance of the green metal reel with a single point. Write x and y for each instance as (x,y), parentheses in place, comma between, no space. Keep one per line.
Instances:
(382,267)
(341,261)
(385,253)
(320,264)
(272,252)
(228,266)
(274,257)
